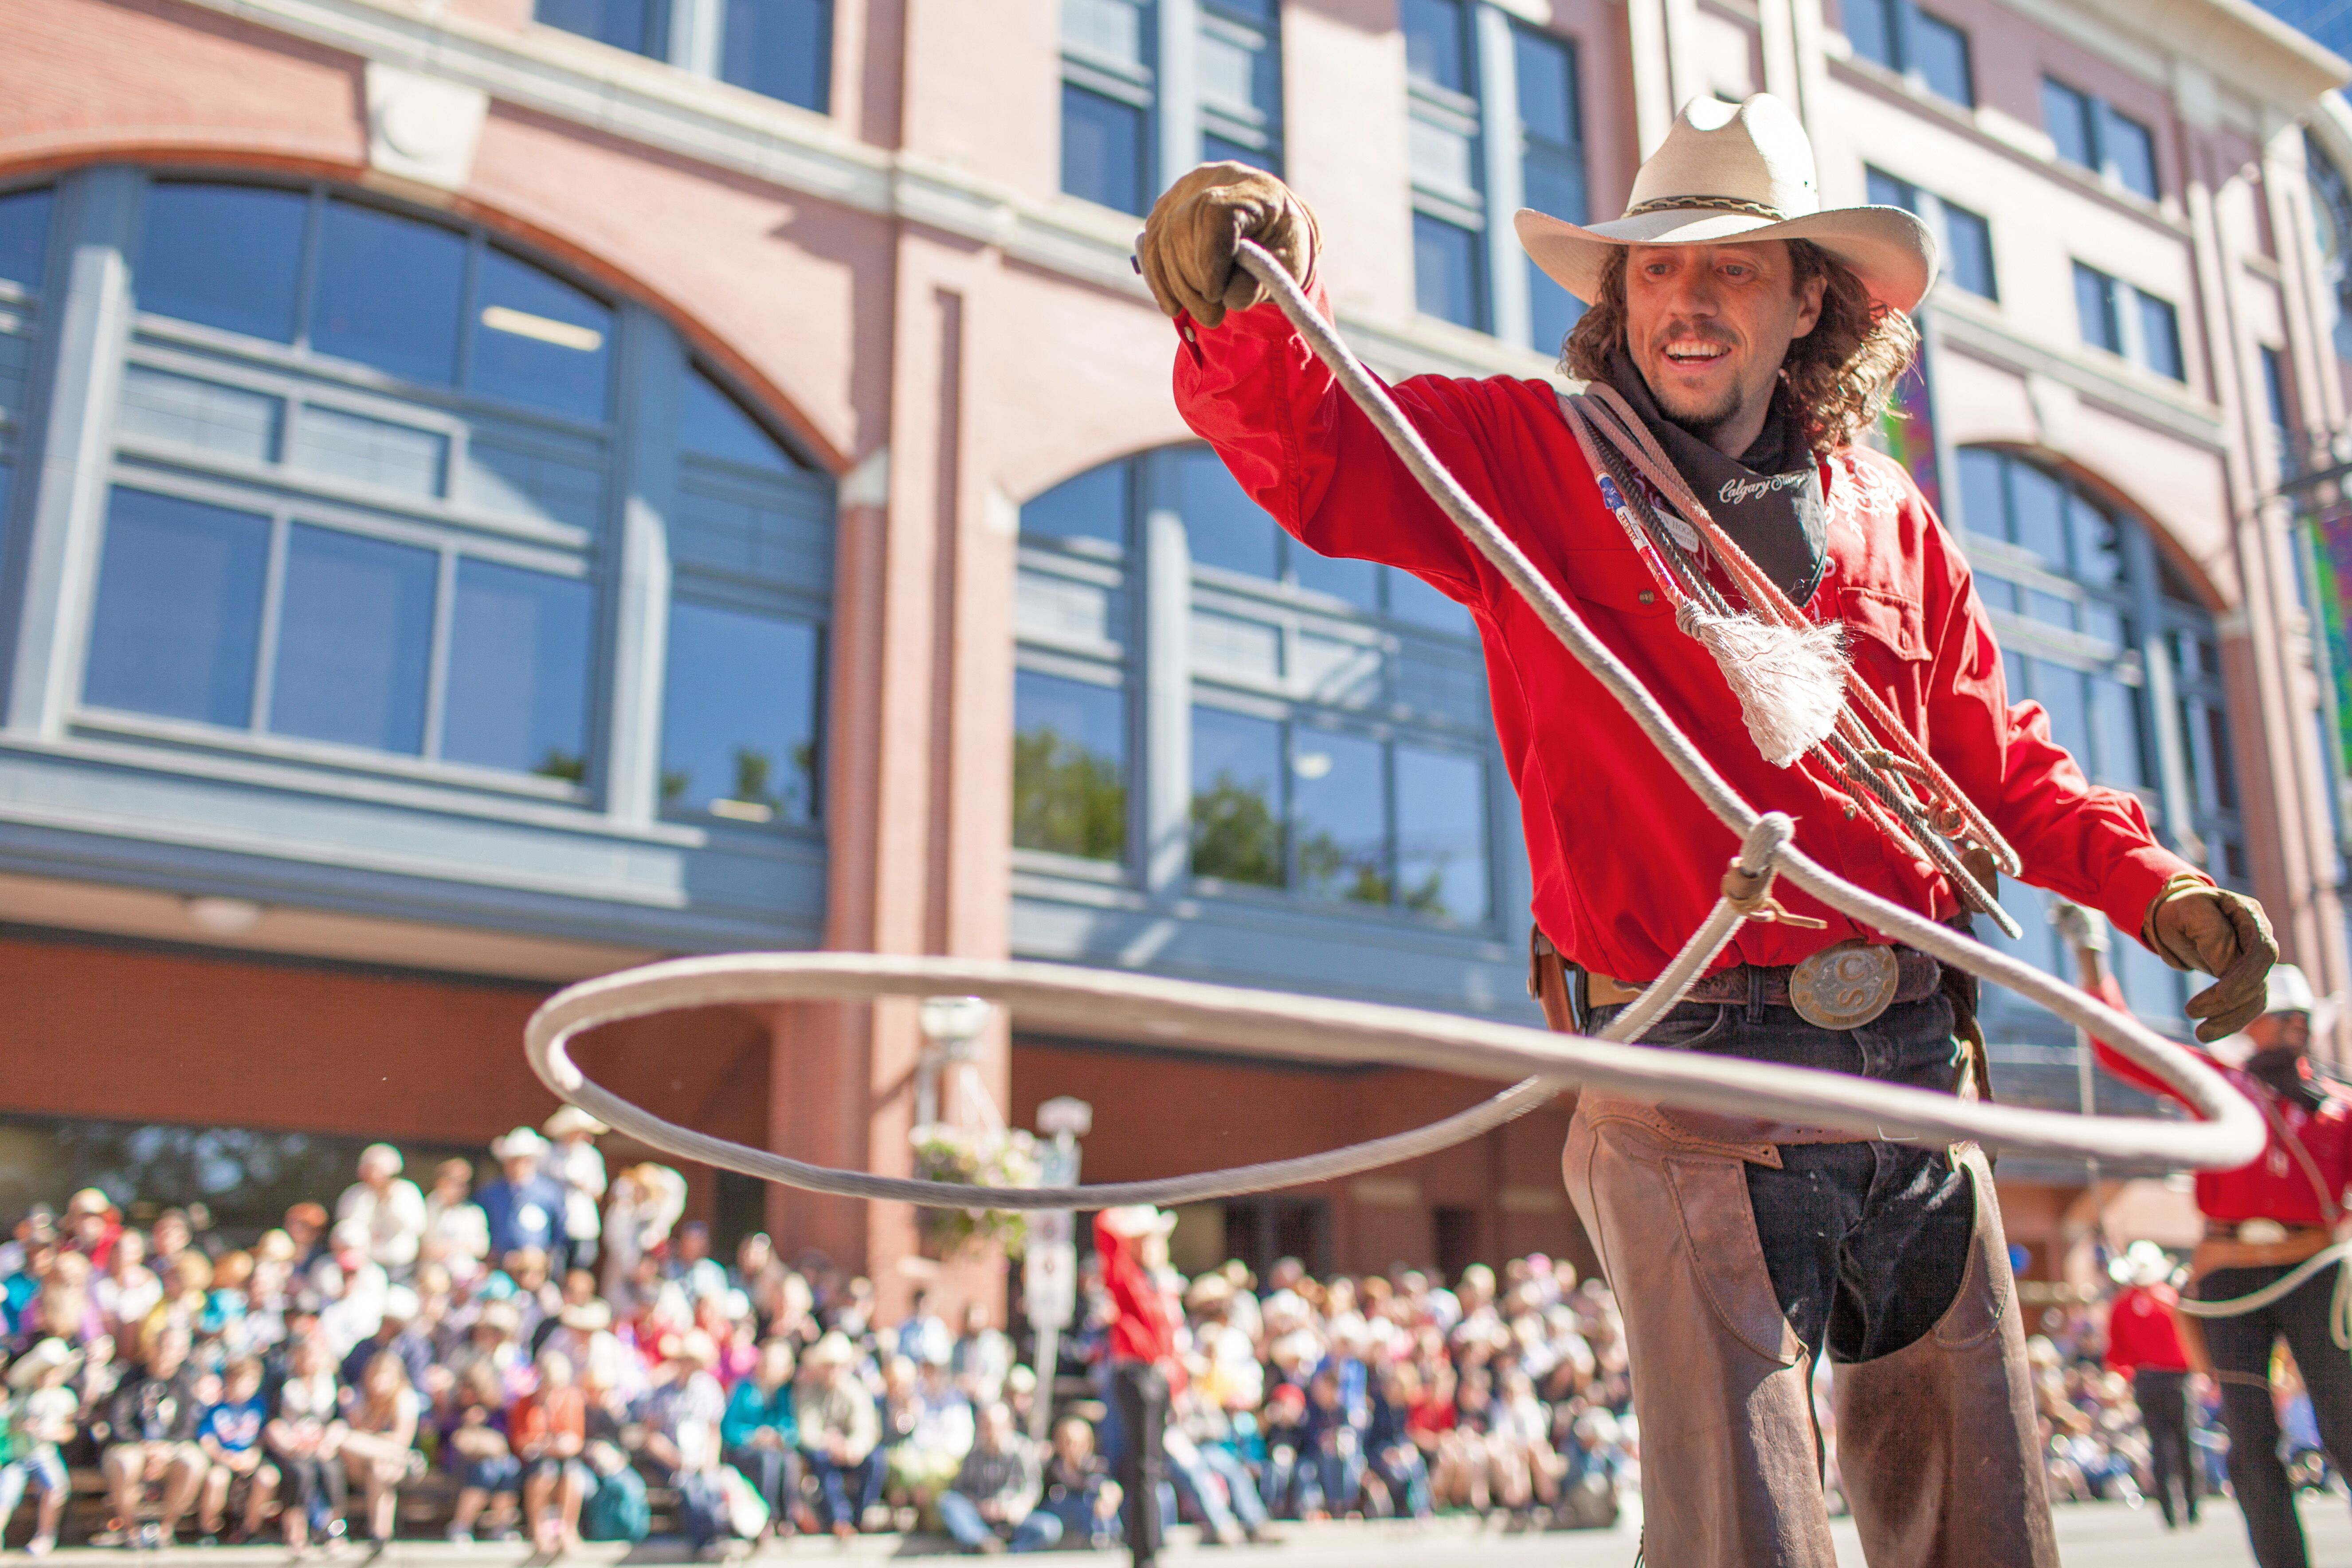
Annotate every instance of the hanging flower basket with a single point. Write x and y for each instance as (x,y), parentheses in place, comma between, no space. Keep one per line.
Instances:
(991,1158)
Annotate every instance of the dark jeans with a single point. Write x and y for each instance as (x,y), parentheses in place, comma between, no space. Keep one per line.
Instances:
(2241,1349)
(1867,1242)
(1141,1392)
(775,1475)
(2163,1400)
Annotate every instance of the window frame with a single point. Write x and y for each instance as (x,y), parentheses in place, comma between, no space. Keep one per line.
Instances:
(2099,115)
(1901,23)
(691,36)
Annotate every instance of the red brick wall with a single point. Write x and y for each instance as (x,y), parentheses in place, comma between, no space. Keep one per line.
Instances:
(129,1034)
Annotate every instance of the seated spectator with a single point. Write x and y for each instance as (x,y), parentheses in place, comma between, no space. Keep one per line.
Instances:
(351,1288)
(229,1432)
(996,1487)
(42,1410)
(524,1207)
(397,1334)
(574,1161)
(839,1428)
(126,1290)
(1209,1473)
(475,1450)
(648,1200)
(683,1415)
(549,1431)
(761,1439)
(457,1232)
(379,1447)
(304,1442)
(1079,1501)
(306,1226)
(152,1437)
(92,1224)
(699,1274)
(1394,1466)
(387,1208)
(981,1357)
(1331,1448)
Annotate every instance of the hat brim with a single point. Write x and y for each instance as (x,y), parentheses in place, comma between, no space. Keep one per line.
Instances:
(1889,250)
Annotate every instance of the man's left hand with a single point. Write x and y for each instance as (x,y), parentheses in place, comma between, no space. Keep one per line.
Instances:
(2225,934)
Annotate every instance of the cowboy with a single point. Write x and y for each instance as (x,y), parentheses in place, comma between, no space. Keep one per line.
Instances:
(1750,335)
(1132,1244)
(2144,1344)
(2261,1221)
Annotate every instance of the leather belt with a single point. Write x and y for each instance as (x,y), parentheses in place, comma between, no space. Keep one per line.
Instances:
(2264,1232)
(1841,987)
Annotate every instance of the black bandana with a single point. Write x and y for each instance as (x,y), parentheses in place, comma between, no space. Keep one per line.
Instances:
(2281,1068)
(1769,499)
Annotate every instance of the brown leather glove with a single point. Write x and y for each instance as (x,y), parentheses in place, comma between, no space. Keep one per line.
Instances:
(1188,241)
(2192,924)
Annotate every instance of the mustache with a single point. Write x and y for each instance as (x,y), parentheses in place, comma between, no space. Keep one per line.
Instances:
(1705,331)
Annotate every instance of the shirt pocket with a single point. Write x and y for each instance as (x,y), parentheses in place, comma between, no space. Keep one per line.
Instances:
(1890,620)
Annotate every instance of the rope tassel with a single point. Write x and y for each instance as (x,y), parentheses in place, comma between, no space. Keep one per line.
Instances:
(1791,683)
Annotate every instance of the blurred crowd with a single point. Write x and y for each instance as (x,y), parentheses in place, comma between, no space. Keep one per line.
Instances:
(547,1355)
(540,1350)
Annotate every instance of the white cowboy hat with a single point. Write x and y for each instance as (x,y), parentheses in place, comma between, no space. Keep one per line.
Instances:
(522,1143)
(1133,1221)
(46,1356)
(1739,172)
(571,1119)
(2144,1263)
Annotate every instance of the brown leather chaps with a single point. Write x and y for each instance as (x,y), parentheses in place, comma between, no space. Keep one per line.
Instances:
(1938,1444)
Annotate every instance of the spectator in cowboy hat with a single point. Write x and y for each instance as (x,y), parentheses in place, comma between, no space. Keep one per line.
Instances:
(573,1159)
(389,1205)
(43,1415)
(838,1430)
(524,1207)
(92,1224)
(456,1233)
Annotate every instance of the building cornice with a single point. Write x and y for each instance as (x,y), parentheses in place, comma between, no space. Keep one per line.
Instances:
(2259,56)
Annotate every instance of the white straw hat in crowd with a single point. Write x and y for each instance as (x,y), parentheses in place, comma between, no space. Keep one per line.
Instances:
(568,1120)
(522,1143)
(2143,1263)
(383,1154)
(833,1350)
(46,1357)
(1134,1221)
(1738,172)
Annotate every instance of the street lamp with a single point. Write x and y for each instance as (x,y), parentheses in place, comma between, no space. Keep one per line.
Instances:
(953,1026)
(1049,1265)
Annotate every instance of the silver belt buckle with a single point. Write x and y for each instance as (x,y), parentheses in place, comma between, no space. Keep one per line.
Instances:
(1846,986)
(2260,1232)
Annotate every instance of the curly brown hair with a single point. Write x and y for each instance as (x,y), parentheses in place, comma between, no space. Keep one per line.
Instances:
(1840,374)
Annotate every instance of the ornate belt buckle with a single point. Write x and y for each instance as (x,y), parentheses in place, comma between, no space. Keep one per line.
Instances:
(1844,986)
(2260,1232)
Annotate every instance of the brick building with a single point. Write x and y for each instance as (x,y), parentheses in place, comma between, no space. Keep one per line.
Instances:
(492,497)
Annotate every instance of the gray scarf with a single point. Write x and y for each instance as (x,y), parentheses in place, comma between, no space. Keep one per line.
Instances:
(1769,499)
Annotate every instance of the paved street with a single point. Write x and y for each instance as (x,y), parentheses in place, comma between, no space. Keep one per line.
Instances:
(2089,1536)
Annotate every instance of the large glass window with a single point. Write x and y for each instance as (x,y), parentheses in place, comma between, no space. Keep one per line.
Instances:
(177,630)
(1238,63)
(1964,237)
(1551,166)
(2085,607)
(1899,36)
(1341,745)
(1108,79)
(739,737)
(2091,133)
(780,47)
(25,236)
(1119,137)
(2125,320)
(1444,136)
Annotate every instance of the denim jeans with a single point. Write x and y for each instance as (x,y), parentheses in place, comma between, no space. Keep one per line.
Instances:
(1867,1242)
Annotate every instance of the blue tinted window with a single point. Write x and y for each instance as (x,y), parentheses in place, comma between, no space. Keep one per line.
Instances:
(641,26)
(2130,152)
(1092,506)
(2037,514)
(2114,734)
(2159,337)
(1441,826)
(355,640)
(224,255)
(2069,117)
(1941,52)
(778,47)
(1215,149)
(1237,814)
(1552,311)
(1883,190)
(2094,305)
(542,343)
(1102,149)
(1222,524)
(519,663)
(1435,45)
(1445,271)
(1870,25)
(1069,766)
(177,625)
(1968,252)
(739,714)
(1339,813)
(389,294)
(712,424)
(1981,506)
(25,236)
(1546,86)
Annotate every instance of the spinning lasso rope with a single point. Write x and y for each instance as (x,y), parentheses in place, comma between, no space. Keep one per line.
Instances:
(1100,1004)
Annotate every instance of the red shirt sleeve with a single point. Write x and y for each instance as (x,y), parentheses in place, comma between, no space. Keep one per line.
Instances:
(1139,1328)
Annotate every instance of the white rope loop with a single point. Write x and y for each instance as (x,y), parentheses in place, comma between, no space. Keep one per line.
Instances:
(1105,1004)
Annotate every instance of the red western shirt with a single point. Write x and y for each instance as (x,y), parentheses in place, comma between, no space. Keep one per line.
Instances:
(1143,1322)
(2141,1333)
(2275,1187)
(1627,861)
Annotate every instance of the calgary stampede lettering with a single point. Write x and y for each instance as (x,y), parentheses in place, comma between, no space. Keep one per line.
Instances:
(1735,490)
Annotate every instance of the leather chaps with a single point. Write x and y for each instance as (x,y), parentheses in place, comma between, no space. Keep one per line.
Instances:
(1937,1443)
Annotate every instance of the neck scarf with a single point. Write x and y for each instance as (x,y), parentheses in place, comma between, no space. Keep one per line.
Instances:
(2281,1069)
(1769,499)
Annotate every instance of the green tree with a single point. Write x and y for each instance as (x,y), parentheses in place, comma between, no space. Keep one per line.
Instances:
(1331,869)
(1235,834)
(1067,798)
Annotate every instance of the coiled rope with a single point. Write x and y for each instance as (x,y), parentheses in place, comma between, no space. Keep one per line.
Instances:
(1101,1003)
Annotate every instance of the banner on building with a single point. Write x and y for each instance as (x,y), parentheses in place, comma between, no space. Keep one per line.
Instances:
(1906,430)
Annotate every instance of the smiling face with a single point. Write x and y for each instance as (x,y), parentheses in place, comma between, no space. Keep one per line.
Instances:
(1708,327)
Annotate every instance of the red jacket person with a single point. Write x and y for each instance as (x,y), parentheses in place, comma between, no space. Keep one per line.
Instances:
(1742,335)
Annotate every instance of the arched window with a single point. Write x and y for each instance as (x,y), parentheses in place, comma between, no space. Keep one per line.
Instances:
(1338,739)
(372,476)
(2097,626)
